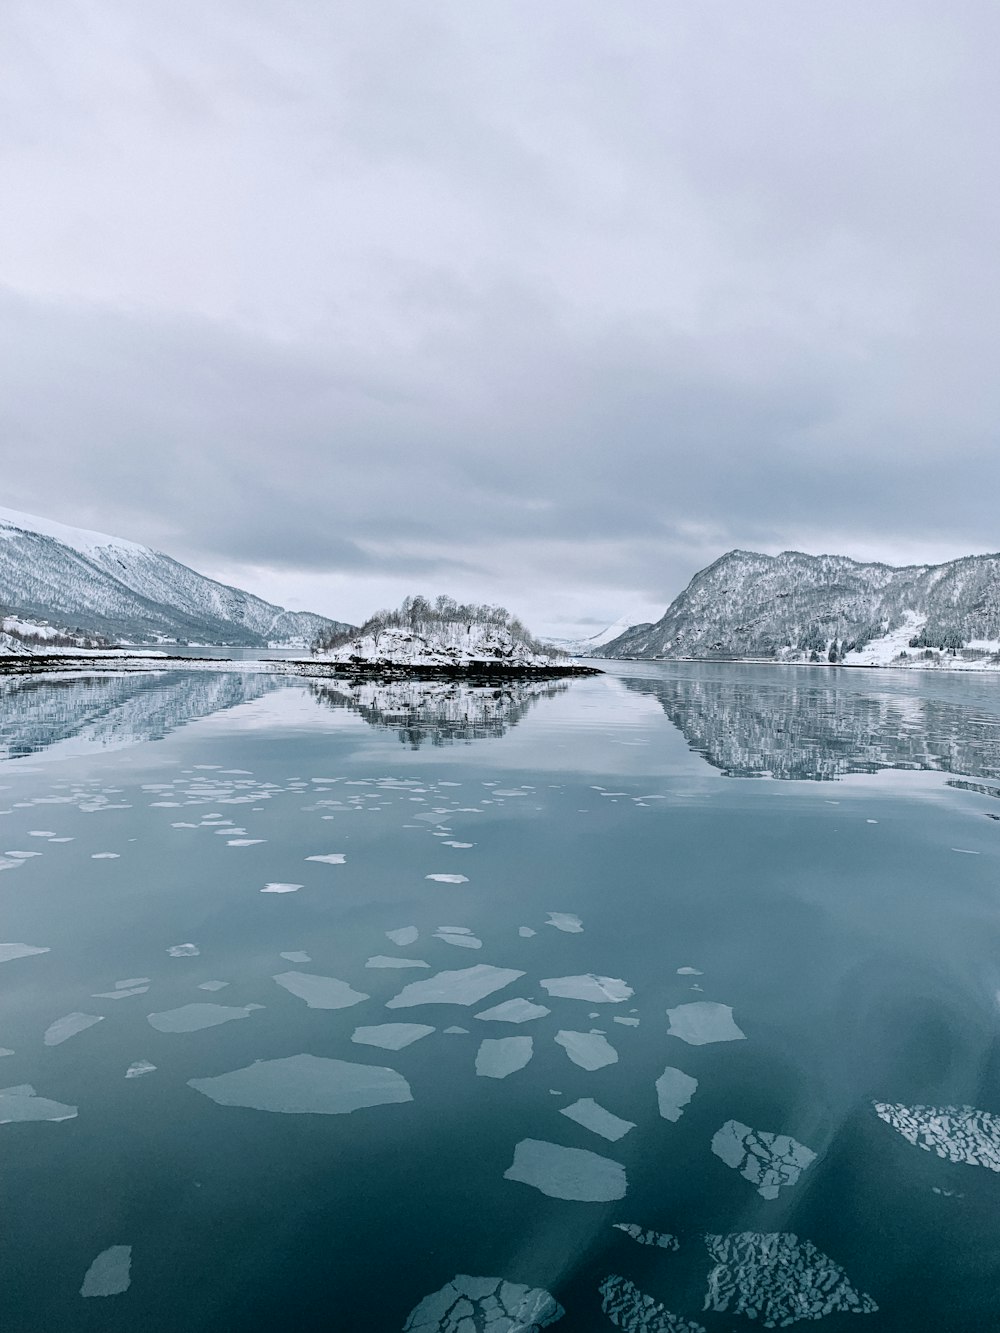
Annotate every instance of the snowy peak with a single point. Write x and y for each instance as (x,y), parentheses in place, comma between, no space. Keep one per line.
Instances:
(78,539)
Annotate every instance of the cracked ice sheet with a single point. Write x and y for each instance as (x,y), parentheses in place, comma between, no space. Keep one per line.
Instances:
(956,1133)
(769,1161)
(674,1089)
(778,1279)
(110,1274)
(589,1050)
(513,1011)
(590,1115)
(320,992)
(565,921)
(567,1173)
(499,1056)
(391,1036)
(8,952)
(463,938)
(703,1022)
(466,986)
(642,1236)
(629,1309)
(68,1026)
(595,989)
(469,1303)
(22,1103)
(306,1085)
(194,1017)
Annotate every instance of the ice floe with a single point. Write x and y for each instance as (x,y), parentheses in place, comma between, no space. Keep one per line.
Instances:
(391,1036)
(403,936)
(105,856)
(769,1161)
(590,1115)
(449,879)
(565,921)
(567,1173)
(184,951)
(778,1279)
(386,960)
(526,932)
(703,1022)
(589,1050)
(513,1011)
(643,1236)
(466,1304)
(629,1309)
(626,1022)
(194,1017)
(68,1026)
(458,935)
(320,992)
(330,859)
(278,887)
(956,1133)
(595,989)
(499,1056)
(305,1085)
(468,985)
(674,1089)
(296,956)
(120,993)
(213,985)
(110,1274)
(23,1103)
(10,951)
(138,1068)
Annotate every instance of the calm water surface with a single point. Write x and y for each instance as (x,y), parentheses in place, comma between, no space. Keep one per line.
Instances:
(808,858)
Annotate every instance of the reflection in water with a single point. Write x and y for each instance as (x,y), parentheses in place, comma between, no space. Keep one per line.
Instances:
(108,712)
(774,726)
(441,712)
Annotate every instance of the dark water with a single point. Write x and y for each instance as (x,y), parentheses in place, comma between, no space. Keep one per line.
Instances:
(813,855)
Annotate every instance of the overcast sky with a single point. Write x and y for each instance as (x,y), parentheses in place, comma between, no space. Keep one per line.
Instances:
(549,304)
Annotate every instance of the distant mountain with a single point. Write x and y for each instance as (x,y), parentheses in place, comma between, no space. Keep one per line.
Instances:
(87,581)
(795,607)
(591,646)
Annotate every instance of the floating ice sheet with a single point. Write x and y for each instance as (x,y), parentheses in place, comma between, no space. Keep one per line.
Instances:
(391,1036)
(11,951)
(330,859)
(769,1161)
(587,1113)
(121,993)
(703,1022)
(628,1308)
(403,936)
(22,1103)
(626,1022)
(956,1133)
(468,985)
(105,856)
(386,960)
(184,951)
(68,1026)
(778,1279)
(194,1017)
(306,1085)
(513,1011)
(278,887)
(595,989)
(110,1274)
(466,1304)
(464,939)
(449,879)
(138,1068)
(589,1050)
(526,932)
(567,1173)
(320,992)
(213,985)
(565,921)
(643,1236)
(499,1056)
(674,1089)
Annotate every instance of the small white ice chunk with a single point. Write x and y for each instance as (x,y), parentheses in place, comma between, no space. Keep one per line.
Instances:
(403,936)
(11,951)
(567,1173)
(278,887)
(306,1085)
(587,1113)
(194,1017)
(391,1036)
(703,1022)
(643,1236)
(565,921)
(526,932)
(462,938)
(513,1011)
(139,1068)
(213,985)
(331,859)
(449,879)
(468,985)
(499,1056)
(110,1274)
(184,951)
(595,989)
(386,960)
(674,1089)
(296,956)
(589,1050)
(68,1026)
(320,992)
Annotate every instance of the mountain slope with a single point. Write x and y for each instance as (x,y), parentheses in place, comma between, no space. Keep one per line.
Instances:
(795,607)
(77,579)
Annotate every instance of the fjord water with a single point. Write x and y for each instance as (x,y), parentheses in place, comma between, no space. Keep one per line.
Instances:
(810,857)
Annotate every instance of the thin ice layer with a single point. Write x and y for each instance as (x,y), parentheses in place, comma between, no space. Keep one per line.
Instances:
(466,986)
(21,1103)
(68,1026)
(703,1022)
(499,1056)
(592,988)
(110,1274)
(589,1050)
(8,952)
(769,1161)
(386,960)
(567,1173)
(629,1309)
(590,1115)
(403,936)
(956,1133)
(320,992)
(778,1279)
(643,1236)
(674,1089)
(513,1011)
(305,1085)
(466,1304)
(391,1036)
(565,921)
(194,1017)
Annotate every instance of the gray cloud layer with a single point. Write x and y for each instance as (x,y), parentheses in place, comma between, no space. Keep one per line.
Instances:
(545,303)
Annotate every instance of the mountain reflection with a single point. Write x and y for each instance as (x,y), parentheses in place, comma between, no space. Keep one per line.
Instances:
(806,730)
(437,712)
(110,712)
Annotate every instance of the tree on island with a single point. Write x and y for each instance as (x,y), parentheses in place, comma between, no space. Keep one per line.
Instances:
(421,616)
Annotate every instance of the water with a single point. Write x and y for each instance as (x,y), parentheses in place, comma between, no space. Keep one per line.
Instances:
(808,857)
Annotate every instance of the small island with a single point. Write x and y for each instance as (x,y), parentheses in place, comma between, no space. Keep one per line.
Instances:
(444,638)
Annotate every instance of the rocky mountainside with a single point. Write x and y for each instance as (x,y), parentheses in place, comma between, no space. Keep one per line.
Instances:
(55,575)
(795,607)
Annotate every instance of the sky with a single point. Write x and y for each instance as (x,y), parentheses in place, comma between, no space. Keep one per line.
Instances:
(541,304)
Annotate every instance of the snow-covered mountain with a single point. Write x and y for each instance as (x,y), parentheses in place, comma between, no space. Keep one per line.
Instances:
(795,607)
(79,580)
(589,647)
